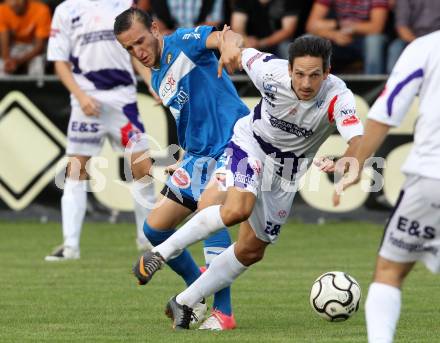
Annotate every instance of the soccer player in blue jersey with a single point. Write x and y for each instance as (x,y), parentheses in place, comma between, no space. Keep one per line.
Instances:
(189,79)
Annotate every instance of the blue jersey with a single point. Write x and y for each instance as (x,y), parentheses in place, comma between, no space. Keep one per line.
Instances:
(204,106)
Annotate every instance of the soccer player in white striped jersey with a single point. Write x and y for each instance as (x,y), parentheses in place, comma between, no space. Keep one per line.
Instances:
(413,231)
(301,106)
(99,74)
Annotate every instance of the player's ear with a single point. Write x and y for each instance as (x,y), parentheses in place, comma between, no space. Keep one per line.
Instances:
(326,72)
(155,30)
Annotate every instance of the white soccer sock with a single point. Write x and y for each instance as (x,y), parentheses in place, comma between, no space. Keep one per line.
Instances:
(73,209)
(382,310)
(224,269)
(144,200)
(204,223)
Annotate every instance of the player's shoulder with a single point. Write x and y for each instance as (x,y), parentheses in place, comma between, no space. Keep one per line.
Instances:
(187,35)
(422,47)
(251,55)
(68,8)
(175,39)
(336,87)
(263,62)
(428,40)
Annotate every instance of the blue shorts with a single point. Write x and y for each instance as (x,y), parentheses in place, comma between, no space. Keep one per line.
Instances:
(190,180)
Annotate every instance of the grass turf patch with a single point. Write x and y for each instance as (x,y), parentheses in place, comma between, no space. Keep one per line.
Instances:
(96,299)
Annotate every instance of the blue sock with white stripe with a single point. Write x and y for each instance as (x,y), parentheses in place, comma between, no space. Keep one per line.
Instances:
(213,246)
(184,264)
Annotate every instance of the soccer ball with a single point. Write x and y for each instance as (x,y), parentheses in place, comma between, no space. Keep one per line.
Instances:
(335,296)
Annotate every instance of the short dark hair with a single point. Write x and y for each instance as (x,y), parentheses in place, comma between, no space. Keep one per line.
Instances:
(310,45)
(125,19)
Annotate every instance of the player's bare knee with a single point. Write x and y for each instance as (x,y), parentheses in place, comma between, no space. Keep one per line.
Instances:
(203,204)
(77,172)
(156,224)
(232,215)
(248,255)
(142,170)
(77,167)
(391,273)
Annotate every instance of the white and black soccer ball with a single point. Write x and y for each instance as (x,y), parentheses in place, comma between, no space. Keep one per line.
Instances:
(335,296)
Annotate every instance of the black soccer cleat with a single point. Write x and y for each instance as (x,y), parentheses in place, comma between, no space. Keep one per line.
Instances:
(180,314)
(147,265)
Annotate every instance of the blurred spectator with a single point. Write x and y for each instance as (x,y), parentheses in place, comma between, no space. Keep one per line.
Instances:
(24,29)
(356,30)
(172,14)
(144,5)
(414,18)
(267,25)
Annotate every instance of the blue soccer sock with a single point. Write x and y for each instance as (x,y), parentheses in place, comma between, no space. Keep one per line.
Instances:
(215,245)
(184,264)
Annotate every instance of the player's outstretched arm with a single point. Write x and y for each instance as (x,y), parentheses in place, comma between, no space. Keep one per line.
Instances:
(230,44)
(366,145)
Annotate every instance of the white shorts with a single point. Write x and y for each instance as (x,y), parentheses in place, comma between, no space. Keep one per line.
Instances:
(249,167)
(121,124)
(413,231)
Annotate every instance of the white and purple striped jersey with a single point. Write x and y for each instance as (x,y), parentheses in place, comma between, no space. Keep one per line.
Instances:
(283,123)
(417,72)
(82,33)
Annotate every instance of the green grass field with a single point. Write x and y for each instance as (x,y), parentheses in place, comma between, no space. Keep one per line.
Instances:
(96,298)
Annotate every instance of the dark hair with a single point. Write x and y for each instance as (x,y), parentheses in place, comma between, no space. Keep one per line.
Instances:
(125,19)
(310,45)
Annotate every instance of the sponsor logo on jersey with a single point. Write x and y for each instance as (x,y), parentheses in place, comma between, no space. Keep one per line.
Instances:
(76,22)
(271,96)
(181,99)
(169,86)
(282,214)
(351,120)
(269,78)
(348,111)
(319,103)
(97,36)
(179,68)
(251,60)
(290,127)
(268,87)
(77,126)
(191,35)
(293,111)
(181,178)
(169,57)
(244,179)
(268,101)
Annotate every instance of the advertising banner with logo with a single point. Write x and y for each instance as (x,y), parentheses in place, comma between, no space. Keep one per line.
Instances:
(34,115)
